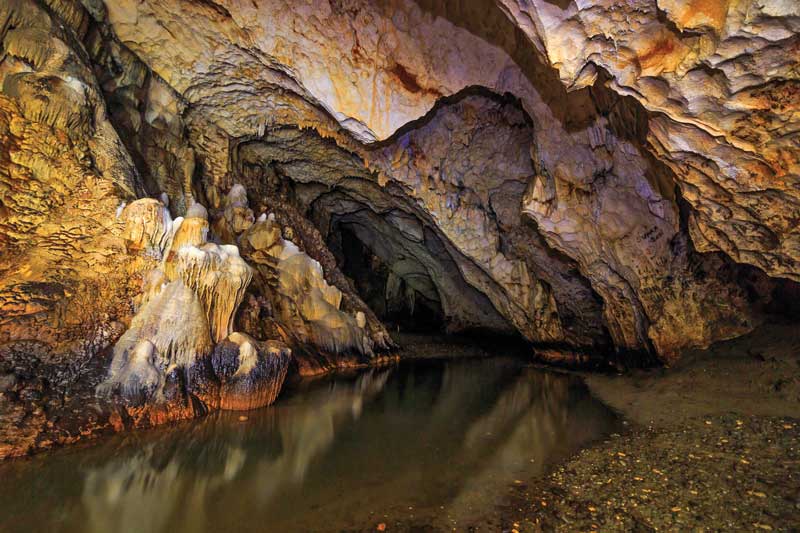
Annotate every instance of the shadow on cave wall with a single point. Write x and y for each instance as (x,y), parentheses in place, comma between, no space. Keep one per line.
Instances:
(396,300)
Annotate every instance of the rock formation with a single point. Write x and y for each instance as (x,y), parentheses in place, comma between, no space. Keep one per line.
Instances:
(194,196)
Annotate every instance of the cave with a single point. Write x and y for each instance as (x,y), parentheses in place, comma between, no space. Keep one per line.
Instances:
(399,265)
(402,293)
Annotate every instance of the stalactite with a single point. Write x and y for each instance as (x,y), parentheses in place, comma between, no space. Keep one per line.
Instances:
(219,276)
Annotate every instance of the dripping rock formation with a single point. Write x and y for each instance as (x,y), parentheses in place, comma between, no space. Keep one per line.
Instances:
(199,198)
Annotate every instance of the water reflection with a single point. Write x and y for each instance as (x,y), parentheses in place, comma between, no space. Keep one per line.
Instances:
(437,440)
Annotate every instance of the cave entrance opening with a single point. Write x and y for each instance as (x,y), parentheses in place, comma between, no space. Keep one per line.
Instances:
(400,292)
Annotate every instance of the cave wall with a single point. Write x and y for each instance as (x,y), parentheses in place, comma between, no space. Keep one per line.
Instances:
(588,176)
(63,173)
(721,81)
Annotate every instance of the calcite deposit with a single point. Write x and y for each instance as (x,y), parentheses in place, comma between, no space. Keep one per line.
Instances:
(198,198)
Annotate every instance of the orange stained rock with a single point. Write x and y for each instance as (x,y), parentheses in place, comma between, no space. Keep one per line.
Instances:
(693,14)
(664,55)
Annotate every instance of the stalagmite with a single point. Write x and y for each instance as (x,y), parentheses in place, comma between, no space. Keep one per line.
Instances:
(187,303)
(170,331)
(251,373)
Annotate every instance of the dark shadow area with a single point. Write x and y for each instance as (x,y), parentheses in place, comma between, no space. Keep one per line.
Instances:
(401,266)
(398,301)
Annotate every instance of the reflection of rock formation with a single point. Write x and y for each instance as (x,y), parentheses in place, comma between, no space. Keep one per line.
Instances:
(532,424)
(436,436)
(132,495)
(307,435)
(166,483)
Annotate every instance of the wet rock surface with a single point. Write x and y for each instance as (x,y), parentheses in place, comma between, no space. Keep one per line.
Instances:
(251,375)
(45,403)
(615,183)
(720,473)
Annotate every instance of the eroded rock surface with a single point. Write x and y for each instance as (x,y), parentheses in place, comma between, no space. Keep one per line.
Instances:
(184,190)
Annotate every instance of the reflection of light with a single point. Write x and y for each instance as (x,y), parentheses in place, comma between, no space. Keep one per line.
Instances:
(131,494)
(451,439)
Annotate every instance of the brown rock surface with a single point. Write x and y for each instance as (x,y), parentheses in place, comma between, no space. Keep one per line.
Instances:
(613,178)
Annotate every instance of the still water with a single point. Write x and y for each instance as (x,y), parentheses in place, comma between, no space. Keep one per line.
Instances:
(427,443)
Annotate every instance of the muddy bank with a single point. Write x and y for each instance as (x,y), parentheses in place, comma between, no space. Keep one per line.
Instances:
(758,374)
(712,444)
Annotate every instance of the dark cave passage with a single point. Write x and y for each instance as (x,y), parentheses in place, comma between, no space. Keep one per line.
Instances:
(403,301)
(403,268)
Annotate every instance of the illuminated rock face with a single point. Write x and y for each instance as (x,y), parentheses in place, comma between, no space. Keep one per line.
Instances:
(720,78)
(64,174)
(606,176)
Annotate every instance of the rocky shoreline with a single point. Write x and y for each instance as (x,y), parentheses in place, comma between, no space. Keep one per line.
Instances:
(711,444)
(46,405)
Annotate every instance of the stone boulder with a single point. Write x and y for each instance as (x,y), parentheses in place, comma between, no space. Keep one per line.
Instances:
(250,373)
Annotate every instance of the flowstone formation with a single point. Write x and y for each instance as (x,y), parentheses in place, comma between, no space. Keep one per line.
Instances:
(180,352)
(187,307)
(198,200)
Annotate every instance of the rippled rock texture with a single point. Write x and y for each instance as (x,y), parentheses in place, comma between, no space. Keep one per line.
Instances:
(184,181)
